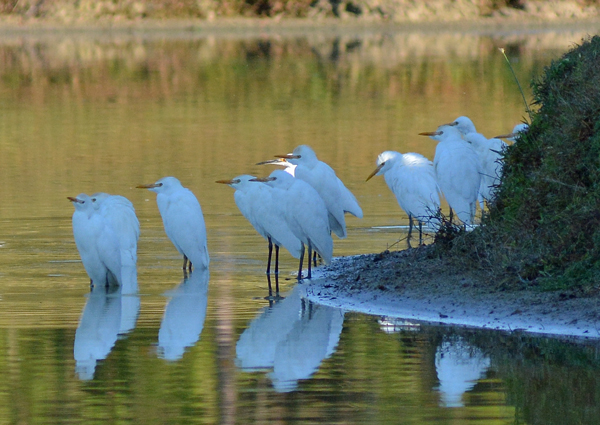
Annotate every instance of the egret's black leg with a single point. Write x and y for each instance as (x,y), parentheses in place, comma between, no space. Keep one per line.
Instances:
(420,233)
(277,285)
(269,260)
(301,261)
(309,257)
(190,266)
(315,258)
(276,261)
(410,226)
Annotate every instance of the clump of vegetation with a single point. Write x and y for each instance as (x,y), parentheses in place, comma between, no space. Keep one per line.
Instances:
(544,226)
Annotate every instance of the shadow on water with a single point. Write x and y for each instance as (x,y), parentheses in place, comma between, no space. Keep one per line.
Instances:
(107,314)
(184,315)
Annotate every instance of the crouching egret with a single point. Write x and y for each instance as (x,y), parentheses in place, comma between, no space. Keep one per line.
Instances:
(457,171)
(183,220)
(305,214)
(411,178)
(106,231)
(256,203)
(338,199)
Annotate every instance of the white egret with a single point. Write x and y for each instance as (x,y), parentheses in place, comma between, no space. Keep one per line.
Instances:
(87,226)
(338,199)
(255,202)
(489,152)
(122,229)
(183,220)
(305,214)
(457,170)
(463,124)
(411,178)
(519,128)
(106,231)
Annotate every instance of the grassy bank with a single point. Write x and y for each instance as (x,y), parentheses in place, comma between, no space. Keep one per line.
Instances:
(544,228)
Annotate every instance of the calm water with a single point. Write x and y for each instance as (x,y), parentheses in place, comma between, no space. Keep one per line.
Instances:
(105,112)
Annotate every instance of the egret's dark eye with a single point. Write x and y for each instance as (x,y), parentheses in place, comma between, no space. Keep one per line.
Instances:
(159,185)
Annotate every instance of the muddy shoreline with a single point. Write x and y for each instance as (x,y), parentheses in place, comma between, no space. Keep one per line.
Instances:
(413,284)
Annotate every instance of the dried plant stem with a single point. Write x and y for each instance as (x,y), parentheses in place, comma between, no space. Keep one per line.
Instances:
(517,80)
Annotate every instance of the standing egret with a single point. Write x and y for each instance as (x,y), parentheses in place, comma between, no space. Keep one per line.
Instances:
(489,152)
(106,231)
(183,220)
(411,177)
(338,199)
(519,128)
(121,224)
(255,202)
(457,170)
(305,214)
(87,226)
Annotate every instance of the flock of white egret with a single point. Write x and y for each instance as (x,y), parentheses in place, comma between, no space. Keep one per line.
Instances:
(301,205)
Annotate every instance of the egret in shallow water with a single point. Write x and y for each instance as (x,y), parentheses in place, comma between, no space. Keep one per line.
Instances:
(338,199)
(183,220)
(121,223)
(87,227)
(457,171)
(411,178)
(106,231)
(256,203)
(305,214)
(518,129)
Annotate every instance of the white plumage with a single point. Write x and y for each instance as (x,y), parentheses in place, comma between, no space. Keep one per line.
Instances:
(411,178)
(489,152)
(305,214)
(256,203)
(106,231)
(338,199)
(183,220)
(457,171)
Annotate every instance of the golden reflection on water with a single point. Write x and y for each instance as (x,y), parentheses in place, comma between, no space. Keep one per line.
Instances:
(86,114)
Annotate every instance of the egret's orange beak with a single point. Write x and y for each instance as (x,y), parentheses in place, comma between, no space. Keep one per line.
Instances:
(148,186)
(234,181)
(506,136)
(271,161)
(431,133)
(376,171)
(70,198)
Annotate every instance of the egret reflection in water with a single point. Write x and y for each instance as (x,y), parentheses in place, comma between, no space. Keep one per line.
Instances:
(106,315)
(459,366)
(291,339)
(184,315)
